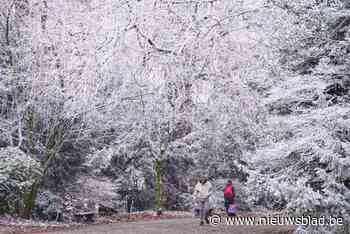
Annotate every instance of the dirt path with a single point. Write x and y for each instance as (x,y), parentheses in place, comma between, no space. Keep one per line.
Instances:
(175,226)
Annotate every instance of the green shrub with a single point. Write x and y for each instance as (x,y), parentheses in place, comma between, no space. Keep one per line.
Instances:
(17,174)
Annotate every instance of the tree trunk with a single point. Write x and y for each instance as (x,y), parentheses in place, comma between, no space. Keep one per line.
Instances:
(54,141)
(29,200)
(159,187)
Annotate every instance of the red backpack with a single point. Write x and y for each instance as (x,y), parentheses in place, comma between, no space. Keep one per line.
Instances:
(229,194)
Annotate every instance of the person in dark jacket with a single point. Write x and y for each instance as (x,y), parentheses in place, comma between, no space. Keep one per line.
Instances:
(229,196)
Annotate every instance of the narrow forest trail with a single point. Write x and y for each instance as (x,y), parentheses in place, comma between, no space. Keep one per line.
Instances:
(176,226)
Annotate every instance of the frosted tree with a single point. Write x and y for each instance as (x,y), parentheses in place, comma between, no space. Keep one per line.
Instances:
(170,78)
(306,171)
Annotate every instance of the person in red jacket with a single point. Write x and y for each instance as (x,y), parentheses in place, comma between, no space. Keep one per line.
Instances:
(229,197)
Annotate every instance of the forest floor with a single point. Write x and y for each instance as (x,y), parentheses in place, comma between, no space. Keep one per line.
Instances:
(176,226)
(144,224)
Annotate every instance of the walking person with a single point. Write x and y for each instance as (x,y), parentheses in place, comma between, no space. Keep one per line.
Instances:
(201,194)
(229,197)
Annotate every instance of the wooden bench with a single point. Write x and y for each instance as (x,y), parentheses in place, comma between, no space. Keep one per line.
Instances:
(84,216)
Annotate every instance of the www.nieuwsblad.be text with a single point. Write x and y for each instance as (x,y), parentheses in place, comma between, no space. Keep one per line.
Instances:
(277,220)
